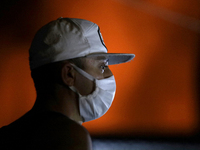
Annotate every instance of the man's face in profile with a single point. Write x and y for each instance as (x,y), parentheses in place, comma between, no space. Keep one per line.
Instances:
(96,67)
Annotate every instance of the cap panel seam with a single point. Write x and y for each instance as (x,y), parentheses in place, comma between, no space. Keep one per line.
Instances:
(83,32)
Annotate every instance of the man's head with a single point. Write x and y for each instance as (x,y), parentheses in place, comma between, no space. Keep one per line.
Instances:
(75,40)
(69,38)
(71,53)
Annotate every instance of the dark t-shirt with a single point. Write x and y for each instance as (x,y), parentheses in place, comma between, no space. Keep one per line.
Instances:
(37,131)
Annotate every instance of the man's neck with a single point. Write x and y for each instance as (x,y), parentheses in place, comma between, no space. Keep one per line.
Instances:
(64,103)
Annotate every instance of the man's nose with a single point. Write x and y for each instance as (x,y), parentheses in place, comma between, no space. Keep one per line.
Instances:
(107,73)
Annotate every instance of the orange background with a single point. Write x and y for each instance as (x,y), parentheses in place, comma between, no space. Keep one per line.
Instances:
(156,93)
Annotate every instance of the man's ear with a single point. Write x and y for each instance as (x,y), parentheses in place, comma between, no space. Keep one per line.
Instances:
(68,74)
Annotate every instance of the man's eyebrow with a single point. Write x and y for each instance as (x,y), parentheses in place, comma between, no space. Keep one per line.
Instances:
(102,58)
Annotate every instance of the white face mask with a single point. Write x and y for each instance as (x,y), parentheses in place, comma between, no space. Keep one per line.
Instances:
(99,101)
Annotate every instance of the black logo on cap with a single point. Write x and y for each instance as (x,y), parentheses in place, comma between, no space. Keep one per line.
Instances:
(101,38)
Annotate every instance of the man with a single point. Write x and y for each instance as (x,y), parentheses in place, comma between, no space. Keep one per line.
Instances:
(69,66)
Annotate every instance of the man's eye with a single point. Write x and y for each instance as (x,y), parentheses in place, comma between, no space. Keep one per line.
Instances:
(103,67)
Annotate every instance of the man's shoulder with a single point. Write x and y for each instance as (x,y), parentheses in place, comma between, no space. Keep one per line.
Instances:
(52,130)
(69,134)
(62,123)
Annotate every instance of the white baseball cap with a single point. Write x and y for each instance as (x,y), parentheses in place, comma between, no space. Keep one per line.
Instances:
(68,38)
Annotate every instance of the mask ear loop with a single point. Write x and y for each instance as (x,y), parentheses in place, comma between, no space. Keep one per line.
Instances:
(85,74)
(82,72)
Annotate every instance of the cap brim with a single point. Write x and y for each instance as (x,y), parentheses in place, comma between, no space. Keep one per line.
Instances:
(114,58)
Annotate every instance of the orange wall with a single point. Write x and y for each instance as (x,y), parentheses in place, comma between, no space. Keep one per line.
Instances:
(156,93)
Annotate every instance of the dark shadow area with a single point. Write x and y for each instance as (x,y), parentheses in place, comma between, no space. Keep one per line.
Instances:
(6,5)
(197,135)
